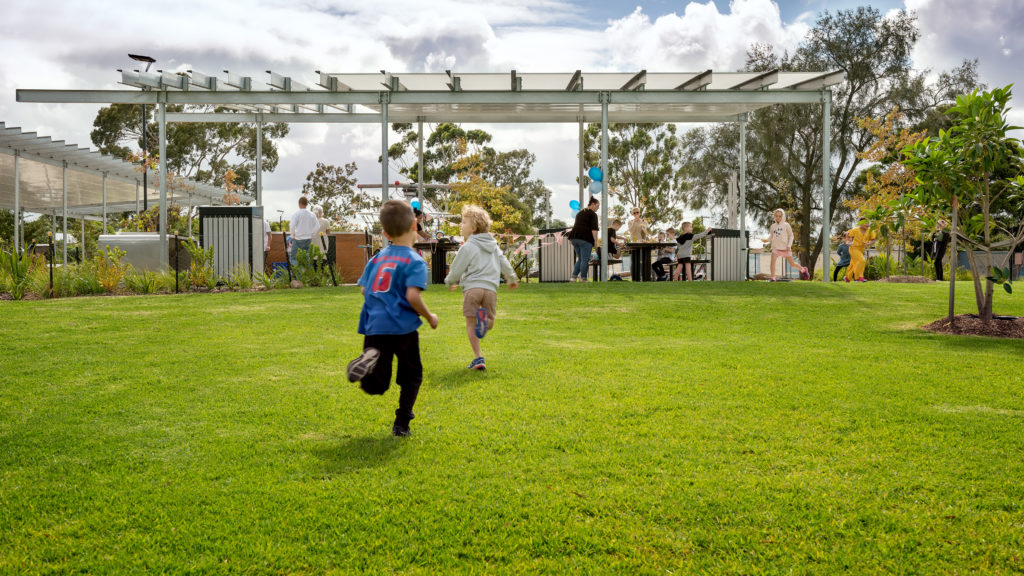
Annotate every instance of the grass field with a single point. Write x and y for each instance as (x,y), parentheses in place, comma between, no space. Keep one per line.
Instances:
(620,429)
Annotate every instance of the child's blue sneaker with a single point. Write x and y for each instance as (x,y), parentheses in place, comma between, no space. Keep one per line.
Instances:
(477,364)
(363,365)
(481,323)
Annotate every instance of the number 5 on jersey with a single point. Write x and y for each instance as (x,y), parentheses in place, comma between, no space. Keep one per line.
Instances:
(382,283)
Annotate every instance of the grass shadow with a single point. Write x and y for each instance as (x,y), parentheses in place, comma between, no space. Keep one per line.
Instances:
(456,378)
(357,453)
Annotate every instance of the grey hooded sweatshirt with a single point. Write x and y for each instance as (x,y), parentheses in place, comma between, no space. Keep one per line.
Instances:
(480,264)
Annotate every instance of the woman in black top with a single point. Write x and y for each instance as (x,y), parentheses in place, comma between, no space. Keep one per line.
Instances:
(583,236)
(940,239)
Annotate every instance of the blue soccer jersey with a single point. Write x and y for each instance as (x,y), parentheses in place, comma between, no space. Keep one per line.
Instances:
(385,280)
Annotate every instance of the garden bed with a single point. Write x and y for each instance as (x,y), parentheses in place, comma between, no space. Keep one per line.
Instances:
(971,325)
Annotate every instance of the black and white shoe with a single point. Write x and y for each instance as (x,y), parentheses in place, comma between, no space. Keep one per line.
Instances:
(400,430)
(363,365)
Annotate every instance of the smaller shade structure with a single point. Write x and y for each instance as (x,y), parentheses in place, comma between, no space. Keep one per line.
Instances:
(96,183)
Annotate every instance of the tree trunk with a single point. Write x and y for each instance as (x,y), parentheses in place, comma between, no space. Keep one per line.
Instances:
(952,266)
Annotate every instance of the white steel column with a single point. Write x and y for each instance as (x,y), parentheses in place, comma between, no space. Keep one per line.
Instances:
(163,181)
(82,239)
(826,185)
(104,202)
(605,189)
(582,165)
(384,147)
(64,187)
(137,198)
(17,206)
(419,163)
(744,242)
(259,160)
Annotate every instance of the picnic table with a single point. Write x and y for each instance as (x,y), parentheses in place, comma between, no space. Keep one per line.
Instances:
(640,265)
(439,250)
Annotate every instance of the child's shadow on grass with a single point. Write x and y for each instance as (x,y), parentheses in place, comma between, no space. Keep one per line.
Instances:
(457,378)
(356,453)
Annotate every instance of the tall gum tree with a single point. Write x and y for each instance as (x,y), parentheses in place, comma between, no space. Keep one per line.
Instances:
(784,141)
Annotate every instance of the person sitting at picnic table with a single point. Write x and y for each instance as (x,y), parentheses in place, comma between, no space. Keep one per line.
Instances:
(638,230)
(666,255)
(614,241)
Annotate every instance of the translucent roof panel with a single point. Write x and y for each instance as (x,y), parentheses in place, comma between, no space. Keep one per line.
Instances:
(41,185)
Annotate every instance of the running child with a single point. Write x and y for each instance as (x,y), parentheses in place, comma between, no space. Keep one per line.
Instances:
(391,284)
(781,237)
(862,237)
(478,267)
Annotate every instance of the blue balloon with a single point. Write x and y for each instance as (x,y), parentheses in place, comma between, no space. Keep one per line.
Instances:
(595,174)
(415,204)
(596,187)
(574,213)
(574,204)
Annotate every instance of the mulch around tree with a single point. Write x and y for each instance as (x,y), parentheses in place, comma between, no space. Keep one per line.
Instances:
(969,325)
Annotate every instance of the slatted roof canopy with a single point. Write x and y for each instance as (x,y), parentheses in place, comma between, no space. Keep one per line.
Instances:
(40,168)
(704,96)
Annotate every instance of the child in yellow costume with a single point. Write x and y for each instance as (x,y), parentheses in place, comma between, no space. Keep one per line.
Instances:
(862,238)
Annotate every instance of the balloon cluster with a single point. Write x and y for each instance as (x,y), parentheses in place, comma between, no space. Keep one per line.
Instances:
(595,180)
(595,188)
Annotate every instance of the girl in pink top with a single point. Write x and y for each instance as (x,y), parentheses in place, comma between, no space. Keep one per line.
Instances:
(781,237)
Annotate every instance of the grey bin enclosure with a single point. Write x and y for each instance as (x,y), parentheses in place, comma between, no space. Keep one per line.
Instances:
(236,235)
(729,255)
(555,261)
(142,249)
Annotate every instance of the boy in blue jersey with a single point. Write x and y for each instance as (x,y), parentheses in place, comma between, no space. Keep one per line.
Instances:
(392,305)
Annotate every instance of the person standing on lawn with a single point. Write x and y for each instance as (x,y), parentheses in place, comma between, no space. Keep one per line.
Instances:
(478,267)
(844,256)
(684,252)
(583,237)
(781,237)
(940,241)
(861,238)
(392,283)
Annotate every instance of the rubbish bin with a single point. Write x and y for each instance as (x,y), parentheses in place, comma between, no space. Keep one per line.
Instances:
(729,255)
(554,259)
(236,235)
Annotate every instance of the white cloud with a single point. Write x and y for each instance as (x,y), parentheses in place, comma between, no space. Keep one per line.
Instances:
(57,44)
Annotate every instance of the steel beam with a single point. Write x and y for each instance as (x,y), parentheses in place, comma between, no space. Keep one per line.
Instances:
(826,184)
(163,185)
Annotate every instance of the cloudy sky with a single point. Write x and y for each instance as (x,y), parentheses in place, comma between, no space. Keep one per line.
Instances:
(79,45)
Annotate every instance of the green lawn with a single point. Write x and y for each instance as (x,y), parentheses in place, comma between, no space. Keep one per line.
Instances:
(620,429)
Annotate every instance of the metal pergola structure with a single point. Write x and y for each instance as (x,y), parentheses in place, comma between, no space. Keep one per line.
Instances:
(385,97)
(43,176)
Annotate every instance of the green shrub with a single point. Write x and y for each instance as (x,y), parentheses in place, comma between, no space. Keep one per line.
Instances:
(16,267)
(200,270)
(240,277)
(262,279)
(143,281)
(110,270)
(307,271)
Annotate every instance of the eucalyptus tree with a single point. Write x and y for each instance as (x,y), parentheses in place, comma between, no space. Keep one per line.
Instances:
(643,162)
(784,141)
(200,151)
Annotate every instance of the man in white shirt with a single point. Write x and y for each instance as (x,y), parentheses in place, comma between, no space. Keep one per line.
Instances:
(304,226)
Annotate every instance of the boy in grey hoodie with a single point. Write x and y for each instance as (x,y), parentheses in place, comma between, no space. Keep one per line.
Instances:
(478,267)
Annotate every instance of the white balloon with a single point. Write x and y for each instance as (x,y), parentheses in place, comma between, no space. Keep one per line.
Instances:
(595,187)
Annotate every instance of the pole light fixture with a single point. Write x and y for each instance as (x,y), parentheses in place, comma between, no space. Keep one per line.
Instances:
(145,145)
